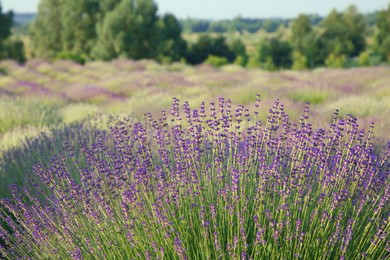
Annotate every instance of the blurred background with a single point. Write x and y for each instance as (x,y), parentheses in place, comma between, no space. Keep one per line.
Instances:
(272,35)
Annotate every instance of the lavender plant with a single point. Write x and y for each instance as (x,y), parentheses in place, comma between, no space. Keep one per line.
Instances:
(217,184)
(16,161)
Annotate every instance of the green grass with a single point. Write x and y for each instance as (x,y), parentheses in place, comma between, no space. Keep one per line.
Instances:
(311,96)
(77,112)
(26,111)
(362,106)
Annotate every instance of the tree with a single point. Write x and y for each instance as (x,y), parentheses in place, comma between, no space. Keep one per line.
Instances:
(45,36)
(146,30)
(356,28)
(5,24)
(114,35)
(10,48)
(206,46)
(173,46)
(344,33)
(382,39)
(78,19)
(104,29)
(304,40)
(336,61)
(130,30)
(275,53)
(335,35)
(299,61)
(219,26)
(239,50)
(107,6)
(300,27)
(67,27)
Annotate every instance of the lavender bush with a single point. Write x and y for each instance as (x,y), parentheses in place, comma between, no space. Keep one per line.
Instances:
(16,161)
(210,185)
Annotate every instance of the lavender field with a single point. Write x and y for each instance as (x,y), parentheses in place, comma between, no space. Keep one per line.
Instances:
(138,160)
(40,95)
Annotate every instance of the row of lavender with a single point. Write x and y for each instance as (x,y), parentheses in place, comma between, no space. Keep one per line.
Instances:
(217,184)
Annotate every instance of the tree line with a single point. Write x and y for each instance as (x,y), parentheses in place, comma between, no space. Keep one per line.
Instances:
(238,24)
(340,40)
(9,47)
(84,30)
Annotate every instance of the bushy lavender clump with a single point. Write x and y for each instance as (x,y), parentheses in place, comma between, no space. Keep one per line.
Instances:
(14,162)
(217,185)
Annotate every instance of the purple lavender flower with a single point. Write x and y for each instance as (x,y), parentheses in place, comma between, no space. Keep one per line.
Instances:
(207,184)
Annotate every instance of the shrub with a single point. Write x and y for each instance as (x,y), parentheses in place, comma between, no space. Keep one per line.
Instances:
(12,49)
(309,96)
(210,185)
(364,59)
(206,46)
(3,71)
(80,59)
(241,60)
(276,52)
(216,61)
(16,161)
(299,61)
(336,61)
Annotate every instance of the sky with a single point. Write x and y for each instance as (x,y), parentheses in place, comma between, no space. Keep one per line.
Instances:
(228,9)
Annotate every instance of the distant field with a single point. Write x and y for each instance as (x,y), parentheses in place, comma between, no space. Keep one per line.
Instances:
(40,95)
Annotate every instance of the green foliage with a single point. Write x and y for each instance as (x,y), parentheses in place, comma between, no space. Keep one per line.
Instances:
(112,41)
(78,58)
(241,60)
(216,61)
(336,61)
(299,61)
(364,59)
(385,49)
(382,38)
(24,111)
(344,33)
(194,25)
(9,47)
(5,24)
(357,29)
(133,30)
(300,27)
(172,45)
(254,61)
(3,71)
(311,96)
(105,30)
(77,112)
(275,53)
(239,49)
(78,19)
(304,40)
(12,49)
(45,30)
(206,46)
(238,24)
(361,106)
